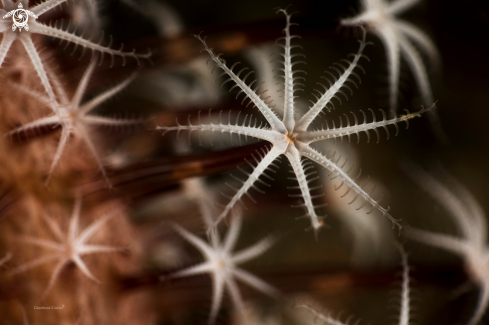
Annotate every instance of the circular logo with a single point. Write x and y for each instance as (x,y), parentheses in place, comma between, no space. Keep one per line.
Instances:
(20,18)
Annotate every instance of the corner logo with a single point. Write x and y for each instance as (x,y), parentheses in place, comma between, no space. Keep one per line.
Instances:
(20,17)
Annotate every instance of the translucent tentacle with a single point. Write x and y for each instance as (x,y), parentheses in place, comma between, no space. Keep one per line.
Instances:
(267,112)
(37,63)
(254,132)
(295,160)
(7,41)
(313,136)
(391,43)
(64,35)
(262,166)
(312,154)
(288,119)
(105,95)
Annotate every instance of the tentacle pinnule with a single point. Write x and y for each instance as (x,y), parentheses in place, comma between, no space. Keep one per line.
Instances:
(272,119)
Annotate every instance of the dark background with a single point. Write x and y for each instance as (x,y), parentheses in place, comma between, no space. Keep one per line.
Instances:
(460,30)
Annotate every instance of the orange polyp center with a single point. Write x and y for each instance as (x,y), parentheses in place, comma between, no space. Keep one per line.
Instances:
(70,250)
(221,264)
(290,137)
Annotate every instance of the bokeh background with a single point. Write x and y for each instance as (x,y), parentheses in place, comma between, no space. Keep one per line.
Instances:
(352,266)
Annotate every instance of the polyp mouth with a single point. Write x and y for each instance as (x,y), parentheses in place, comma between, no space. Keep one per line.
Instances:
(290,137)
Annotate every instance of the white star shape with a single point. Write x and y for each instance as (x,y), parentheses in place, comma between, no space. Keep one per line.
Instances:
(471,224)
(222,264)
(398,37)
(70,247)
(292,135)
(74,117)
